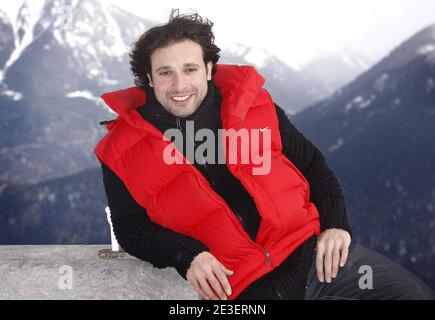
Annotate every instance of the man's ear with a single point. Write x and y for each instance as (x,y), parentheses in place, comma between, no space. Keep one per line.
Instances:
(150,80)
(209,68)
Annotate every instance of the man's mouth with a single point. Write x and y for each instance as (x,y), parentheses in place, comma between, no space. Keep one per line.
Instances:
(181,98)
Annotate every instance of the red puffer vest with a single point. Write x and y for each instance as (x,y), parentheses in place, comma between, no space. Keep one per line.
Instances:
(178,197)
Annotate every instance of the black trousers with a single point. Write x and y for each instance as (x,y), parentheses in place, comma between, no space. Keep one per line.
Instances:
(366,275)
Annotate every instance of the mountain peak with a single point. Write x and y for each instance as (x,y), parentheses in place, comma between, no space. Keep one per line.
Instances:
(255,56)
(4,17)
(429,31)
(421,43)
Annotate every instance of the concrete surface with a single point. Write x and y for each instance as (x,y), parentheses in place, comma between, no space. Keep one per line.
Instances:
(84,272)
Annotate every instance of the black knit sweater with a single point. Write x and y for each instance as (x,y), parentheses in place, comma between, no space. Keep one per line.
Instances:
(146,240)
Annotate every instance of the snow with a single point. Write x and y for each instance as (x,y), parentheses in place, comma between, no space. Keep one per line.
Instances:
(375,112)
(430,84)
(402,248)
(89,96)
(109,82)
(336,145)
(387,246)
(90,49)
(82,94)
(426,49)
(3,187)
(13,94)
(257,57)
(381,81)
(58,36)
(354,59)
(23,21)
(254,56)
(51,198)
(4,17)
(87,46)
(347,56)
(30,14)
(90,8)
(235,48)
(82,35)
(395,103)
(431,58)
(94,72)
(62,12)
(359,102)
(118,48)
(72,40)
(11,9)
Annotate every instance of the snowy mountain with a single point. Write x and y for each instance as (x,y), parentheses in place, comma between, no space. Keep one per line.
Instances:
(6,41)
(84,39)
(332,70)
(289,88)
(378,134)
(66,54)
(293,89)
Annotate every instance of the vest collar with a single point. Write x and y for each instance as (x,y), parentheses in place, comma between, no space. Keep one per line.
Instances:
(239,85)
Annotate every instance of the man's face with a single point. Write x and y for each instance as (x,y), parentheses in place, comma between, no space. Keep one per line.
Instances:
(179,77)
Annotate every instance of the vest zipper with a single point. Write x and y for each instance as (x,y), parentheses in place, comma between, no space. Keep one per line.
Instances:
(243,231)
(178,123)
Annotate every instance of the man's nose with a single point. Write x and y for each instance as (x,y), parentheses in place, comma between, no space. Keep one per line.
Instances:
(178,82)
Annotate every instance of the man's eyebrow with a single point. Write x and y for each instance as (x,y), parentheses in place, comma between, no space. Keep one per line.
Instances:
(191,64)
(162,68)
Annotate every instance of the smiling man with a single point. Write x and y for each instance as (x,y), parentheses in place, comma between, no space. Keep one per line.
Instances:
(231,232)
(180,84)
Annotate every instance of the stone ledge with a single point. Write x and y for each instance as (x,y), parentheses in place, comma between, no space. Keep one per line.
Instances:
(84,272)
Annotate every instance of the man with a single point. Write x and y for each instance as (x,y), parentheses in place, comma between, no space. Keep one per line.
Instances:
(232,233)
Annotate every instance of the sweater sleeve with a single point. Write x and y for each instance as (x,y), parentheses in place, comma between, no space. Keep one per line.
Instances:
(143,238)
(325,190)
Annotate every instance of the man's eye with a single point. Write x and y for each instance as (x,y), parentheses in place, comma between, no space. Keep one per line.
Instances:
(191,70)
(164,73)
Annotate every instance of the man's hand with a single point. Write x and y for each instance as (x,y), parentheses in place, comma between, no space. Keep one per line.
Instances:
(332,249)
(206,270)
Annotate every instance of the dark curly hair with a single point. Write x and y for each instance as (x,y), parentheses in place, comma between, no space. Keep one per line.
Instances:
(180,27)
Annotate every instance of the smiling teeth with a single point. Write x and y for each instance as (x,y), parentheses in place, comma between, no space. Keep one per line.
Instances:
(181,98)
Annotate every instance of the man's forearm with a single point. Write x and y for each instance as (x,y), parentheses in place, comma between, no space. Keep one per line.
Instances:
(141,237)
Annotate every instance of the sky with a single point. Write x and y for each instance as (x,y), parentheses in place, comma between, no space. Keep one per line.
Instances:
(296,30)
